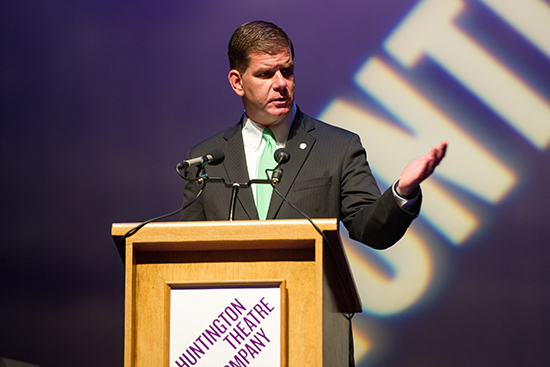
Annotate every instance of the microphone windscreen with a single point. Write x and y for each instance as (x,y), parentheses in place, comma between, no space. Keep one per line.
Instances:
(217,157)
(281,155)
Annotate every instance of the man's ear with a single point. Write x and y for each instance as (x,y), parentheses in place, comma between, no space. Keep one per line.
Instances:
(236,81)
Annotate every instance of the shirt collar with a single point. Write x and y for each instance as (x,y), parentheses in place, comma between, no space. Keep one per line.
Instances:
(253,131)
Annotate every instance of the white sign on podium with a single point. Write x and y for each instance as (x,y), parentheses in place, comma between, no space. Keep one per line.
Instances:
(225,325)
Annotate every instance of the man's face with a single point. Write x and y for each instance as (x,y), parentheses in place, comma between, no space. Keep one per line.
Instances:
(266,87)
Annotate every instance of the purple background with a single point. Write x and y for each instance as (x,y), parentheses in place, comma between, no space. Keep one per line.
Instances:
(100,100)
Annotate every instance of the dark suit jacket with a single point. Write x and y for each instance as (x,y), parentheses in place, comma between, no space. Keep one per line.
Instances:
(327,176)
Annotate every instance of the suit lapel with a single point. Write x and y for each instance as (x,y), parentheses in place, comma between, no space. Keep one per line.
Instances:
(299,144)
(236,169)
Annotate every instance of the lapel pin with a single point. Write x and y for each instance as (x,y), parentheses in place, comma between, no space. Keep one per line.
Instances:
(303,146)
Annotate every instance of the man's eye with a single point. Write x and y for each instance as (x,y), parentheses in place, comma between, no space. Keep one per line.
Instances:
(287,72)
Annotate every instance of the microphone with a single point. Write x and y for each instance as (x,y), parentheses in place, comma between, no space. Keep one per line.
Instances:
(215,157)
(281,156)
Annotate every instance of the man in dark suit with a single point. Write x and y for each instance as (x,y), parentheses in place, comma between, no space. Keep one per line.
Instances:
(327,175)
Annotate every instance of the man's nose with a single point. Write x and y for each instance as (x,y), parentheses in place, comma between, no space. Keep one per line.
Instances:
(279,80)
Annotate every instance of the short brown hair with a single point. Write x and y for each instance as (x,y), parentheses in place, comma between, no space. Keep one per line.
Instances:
(255,36)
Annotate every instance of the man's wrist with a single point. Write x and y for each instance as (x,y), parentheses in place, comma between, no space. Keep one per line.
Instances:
(406,197)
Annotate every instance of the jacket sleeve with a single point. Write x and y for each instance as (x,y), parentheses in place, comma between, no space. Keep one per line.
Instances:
(372,219)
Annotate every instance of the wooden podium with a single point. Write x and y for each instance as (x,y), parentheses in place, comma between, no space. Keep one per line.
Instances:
(317,287)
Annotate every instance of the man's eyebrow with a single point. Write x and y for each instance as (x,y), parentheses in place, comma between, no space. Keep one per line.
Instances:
(263,70)
(288,65)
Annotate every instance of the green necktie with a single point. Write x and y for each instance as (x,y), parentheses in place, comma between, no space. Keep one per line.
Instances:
(267,161)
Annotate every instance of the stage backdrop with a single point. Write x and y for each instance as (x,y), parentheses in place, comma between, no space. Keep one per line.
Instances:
(101,99)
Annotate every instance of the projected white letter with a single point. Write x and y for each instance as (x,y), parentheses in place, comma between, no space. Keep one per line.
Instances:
(428,29)
(531,18)
(471,166)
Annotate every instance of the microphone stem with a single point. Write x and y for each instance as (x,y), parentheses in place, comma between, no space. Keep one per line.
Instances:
(234,193)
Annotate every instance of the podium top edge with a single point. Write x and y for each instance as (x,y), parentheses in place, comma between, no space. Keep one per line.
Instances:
(328,224)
